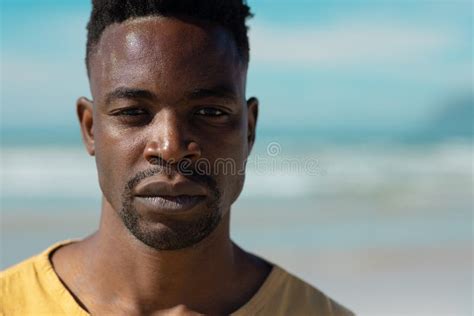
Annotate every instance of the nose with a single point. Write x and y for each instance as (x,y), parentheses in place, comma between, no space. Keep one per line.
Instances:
(168,141)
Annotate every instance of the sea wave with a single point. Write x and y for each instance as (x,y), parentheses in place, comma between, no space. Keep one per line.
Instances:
(30,175)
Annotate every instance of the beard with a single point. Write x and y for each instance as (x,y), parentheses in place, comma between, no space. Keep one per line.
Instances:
(171,234)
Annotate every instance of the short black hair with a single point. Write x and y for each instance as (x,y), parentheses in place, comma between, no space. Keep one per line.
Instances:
(231,14)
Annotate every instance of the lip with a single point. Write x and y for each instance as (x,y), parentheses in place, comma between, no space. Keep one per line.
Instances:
(169,197)
(170,204)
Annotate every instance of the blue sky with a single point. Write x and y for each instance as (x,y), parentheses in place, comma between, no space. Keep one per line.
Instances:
(329,64)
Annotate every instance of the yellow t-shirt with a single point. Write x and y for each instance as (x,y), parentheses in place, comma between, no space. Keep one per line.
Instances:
(32,287)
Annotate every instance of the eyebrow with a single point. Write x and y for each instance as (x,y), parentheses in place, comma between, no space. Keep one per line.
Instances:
(222,91)
(128,93)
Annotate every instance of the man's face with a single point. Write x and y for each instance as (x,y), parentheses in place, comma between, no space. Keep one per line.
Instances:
(165,92)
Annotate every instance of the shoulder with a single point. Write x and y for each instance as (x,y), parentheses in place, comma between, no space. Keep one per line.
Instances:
(28,285)
(312,299)
(285,294)
(17,275)
(31,268)
(19,284)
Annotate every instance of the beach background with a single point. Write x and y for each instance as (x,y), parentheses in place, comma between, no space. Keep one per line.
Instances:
(361,178)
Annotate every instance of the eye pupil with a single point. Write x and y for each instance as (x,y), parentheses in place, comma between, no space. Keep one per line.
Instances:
(132,112)
(210,112)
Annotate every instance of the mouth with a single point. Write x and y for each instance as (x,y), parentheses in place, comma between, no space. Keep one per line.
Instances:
(156,194)
(169,203)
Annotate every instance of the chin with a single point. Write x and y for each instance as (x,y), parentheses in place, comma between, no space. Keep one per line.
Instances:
(172,232)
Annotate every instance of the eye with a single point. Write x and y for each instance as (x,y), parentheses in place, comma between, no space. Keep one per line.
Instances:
(130,112)
(132,116)
(212,112)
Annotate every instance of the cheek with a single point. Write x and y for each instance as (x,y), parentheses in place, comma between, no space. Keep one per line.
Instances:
(115,156)
(235,188)
(229,141)
(228,154)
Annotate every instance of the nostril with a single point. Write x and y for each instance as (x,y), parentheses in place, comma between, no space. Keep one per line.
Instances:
(155,160)
(171,152)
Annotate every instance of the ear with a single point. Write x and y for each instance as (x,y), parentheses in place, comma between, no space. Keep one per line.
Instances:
(252,114)
(84,113)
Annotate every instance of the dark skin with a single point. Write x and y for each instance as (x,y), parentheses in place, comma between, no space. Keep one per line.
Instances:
(188,102)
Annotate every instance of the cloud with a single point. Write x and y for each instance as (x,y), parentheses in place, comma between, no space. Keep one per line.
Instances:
(349,43)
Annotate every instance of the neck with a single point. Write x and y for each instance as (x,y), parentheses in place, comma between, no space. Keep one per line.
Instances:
(135,275)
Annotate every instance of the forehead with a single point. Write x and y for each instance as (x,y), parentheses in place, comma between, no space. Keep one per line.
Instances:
(156,52)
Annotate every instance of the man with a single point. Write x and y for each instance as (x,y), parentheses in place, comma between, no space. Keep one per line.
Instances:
(168,85)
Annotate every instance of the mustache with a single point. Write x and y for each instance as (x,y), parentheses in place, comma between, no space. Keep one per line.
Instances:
(190,174)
